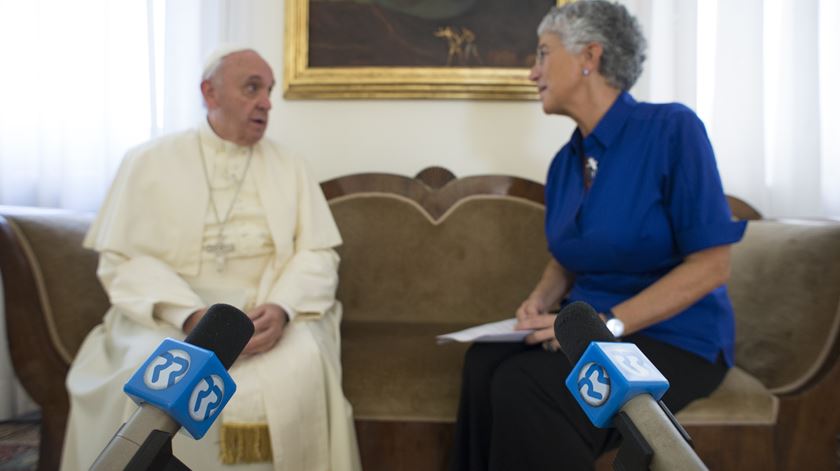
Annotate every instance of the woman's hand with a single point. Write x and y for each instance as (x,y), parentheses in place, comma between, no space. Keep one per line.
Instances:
(532,315)
(533,312)
(543,326)
(529,308)
(270,321)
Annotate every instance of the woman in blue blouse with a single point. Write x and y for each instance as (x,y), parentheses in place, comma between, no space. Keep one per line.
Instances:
(638,227)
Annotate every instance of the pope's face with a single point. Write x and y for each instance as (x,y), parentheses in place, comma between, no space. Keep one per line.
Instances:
(238,97)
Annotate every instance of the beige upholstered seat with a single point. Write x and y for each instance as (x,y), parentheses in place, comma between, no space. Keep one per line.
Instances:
(741,399)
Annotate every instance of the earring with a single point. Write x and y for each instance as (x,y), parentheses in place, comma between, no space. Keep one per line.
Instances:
(586,72)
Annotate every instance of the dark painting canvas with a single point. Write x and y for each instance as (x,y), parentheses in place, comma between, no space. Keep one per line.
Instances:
(424,33)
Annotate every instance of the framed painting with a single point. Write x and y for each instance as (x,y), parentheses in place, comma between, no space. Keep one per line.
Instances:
(467,49)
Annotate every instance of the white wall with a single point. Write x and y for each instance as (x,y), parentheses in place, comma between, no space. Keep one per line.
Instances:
(339,137)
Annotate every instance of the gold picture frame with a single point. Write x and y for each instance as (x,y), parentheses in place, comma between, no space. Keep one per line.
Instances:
(303,81)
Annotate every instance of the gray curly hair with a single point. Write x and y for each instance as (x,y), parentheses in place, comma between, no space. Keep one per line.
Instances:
(608,24)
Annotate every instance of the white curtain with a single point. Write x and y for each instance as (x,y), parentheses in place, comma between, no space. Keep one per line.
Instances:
(763,75)
(84,81)
(76,94)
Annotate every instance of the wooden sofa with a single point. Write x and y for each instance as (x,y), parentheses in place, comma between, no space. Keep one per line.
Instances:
(431,254)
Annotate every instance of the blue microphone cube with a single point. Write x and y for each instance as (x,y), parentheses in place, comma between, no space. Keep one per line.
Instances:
(608,375)
(187,382)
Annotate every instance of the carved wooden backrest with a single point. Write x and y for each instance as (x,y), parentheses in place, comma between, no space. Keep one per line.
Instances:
(437,250)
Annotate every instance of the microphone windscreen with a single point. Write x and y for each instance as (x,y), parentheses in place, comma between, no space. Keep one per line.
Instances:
(577,325)
(224,330)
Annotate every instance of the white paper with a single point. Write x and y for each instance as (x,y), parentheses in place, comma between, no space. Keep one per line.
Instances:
(501,331)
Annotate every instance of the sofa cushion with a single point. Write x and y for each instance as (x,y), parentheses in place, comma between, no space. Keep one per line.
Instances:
(740,400)
(420,381)
(785,288)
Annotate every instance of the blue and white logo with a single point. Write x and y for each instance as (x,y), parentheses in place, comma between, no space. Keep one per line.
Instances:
(166,369)
(593,384)
(206,398)
(632,363)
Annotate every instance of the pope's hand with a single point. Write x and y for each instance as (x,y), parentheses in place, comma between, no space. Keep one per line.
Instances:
(269,322)
(192,321)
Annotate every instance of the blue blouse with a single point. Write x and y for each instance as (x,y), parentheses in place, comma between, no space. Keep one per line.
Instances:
(656,197)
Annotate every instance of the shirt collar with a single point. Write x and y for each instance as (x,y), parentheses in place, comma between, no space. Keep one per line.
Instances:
(213,142)
(613,121)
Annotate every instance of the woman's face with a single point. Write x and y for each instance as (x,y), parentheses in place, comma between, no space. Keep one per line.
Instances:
(557,73)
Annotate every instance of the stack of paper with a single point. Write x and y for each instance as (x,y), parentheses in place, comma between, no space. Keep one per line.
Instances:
(501,331)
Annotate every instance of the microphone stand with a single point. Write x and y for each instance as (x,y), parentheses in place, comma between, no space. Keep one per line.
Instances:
(156,454)
(155,450)
(635,453)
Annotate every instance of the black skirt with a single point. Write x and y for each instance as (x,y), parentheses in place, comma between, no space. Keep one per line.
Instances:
(515,412)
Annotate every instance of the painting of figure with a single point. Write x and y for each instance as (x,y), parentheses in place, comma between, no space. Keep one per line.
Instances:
(424,33)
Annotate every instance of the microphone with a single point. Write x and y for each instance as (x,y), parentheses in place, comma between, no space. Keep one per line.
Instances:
(616,384)
(182,384)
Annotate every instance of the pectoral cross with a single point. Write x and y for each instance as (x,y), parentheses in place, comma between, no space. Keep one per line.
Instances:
(220,249)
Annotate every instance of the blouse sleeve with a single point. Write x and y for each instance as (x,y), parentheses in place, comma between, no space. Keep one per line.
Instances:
(700,215)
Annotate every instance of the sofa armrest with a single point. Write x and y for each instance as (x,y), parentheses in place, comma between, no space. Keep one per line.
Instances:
(785,289)
(52,300)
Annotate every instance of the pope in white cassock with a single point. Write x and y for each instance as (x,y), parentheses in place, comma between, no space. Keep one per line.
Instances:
(219,214)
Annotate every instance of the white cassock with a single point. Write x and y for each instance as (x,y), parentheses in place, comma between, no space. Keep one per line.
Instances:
(153,233)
